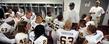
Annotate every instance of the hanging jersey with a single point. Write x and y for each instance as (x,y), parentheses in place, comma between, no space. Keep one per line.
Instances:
(41,40)
(66,37)
(94,38)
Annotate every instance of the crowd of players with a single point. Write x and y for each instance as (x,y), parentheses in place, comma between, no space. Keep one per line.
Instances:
(31,28)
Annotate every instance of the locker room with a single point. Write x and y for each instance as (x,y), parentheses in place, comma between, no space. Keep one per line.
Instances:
(54,21)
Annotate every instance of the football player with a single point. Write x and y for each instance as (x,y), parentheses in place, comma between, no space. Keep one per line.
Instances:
(22,33)
(83,28)
(58,22)
(40,36)
(6,27)
(89,20)
(67,35)
(38,21)
(29,16)
(94,36)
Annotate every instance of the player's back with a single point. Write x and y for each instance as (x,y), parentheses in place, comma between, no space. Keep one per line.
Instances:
(66,37)
(41,40)
(95,38)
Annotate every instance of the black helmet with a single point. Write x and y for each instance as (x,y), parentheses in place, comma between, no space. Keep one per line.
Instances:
(39,30)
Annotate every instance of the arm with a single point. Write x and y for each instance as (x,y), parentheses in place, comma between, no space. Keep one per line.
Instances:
(102,12)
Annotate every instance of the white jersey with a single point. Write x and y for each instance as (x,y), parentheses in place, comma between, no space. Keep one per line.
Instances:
(20,13)
(90,23)
(31,36)
(83,32)
(47,28)
(94,38)
(33,17)
(16,21)
(58,24)
(72,15)
(97,10)
(12,14)
(4,39)
(41,40)
(21,38)
(6,28)
(48,19)
(24,18)
(66,37)
(8,19)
